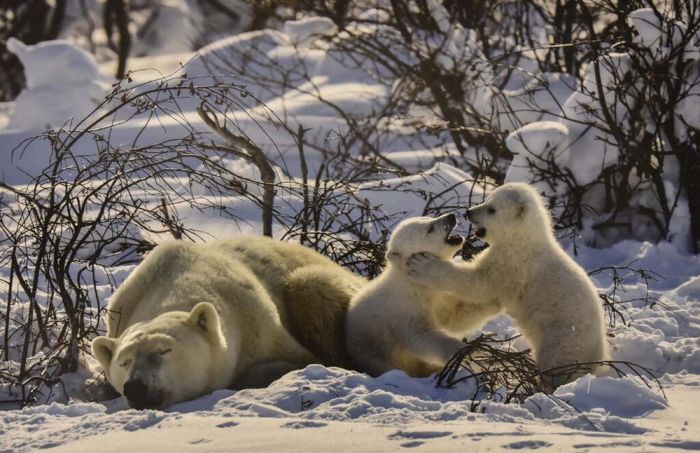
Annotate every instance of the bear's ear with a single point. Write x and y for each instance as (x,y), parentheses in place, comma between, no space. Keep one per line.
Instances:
(103,350)
(204,316)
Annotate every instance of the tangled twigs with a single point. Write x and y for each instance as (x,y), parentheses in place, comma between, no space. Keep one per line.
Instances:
(621,368)
(500,373)
(505,375)
(614,303)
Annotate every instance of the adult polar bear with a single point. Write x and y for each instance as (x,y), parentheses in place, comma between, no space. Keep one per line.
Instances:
(527,273)
(193,318)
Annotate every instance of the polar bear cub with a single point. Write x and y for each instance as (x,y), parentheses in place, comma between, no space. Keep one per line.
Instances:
(394,323)
(525,270)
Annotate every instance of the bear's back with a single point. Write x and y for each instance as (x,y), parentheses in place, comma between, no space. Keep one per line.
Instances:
(176,275)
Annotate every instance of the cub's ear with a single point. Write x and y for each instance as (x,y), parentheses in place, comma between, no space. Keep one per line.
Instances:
(103,350)
(205,317)
(522,209)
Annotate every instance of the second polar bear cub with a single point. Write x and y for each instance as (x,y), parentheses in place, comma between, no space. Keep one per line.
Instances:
(393,323)
(525,270)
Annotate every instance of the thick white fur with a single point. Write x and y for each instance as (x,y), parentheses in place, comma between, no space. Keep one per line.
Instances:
(527,273)
(395,323)
(193,318)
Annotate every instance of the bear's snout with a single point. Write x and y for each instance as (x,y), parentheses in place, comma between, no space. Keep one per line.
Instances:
(137,392)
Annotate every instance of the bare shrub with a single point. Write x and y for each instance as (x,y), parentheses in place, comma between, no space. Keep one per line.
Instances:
(631,109)
(614,301)
(502,374)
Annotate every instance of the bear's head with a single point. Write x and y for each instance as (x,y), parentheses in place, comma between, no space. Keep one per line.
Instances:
(514,212)
(424,234)
(168,359)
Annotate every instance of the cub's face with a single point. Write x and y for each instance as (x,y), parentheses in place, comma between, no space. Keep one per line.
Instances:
(425,234)
(163,361)
(507,214)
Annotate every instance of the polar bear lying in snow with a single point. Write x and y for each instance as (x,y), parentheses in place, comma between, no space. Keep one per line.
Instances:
(394,322)
(193,318)
(527,273)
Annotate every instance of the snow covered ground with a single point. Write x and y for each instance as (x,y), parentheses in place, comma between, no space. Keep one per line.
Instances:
(329,408)
(321,408)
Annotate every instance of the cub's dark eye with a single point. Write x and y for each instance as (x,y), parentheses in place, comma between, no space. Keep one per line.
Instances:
(165,351)
(125,364)
(491,210)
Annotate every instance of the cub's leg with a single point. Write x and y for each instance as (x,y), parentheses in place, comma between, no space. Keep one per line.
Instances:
(565,355)
(433,345)
(461,318)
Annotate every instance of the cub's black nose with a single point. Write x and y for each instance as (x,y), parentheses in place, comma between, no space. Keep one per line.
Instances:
(135,390)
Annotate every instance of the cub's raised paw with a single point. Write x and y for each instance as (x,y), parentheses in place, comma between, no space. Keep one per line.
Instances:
(421,266)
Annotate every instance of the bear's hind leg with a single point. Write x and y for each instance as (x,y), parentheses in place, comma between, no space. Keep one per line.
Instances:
(563,358)
(317,300)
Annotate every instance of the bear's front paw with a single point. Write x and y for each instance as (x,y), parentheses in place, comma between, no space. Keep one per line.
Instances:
(421,266)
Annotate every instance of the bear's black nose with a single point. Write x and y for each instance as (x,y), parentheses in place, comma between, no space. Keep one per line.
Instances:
(135,390)
(140,396)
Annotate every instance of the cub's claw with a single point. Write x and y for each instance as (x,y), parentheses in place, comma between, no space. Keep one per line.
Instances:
(419,266)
